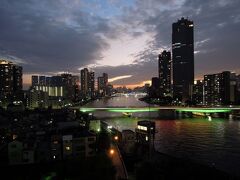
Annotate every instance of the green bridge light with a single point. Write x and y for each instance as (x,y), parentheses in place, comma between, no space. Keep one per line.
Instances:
(205,110)
(87,110)
(132,110)
(154,109)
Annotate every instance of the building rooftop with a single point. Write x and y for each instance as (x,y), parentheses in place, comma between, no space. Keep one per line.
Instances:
(146,123)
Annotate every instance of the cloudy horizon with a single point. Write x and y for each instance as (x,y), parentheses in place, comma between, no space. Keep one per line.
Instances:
(120,37)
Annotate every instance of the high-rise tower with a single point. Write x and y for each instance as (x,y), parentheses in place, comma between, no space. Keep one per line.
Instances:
(183,59)
(11,81)
(164,73)
(91,84)
(84,81)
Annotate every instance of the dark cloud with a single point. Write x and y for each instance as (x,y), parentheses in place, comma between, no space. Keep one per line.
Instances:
(59,36)
(217,27)
(47,37)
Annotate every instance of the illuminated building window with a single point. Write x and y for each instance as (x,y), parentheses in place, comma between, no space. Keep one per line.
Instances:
(14,136)
(142,128)
(68,148)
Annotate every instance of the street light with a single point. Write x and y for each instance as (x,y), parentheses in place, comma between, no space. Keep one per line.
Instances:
(116,138)
(111,151)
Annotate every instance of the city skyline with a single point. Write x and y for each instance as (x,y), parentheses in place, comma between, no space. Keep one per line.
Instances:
(120,89)
(121,38)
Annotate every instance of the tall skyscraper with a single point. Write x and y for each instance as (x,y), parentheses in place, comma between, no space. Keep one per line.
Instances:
(103,84)
(76,85)
(155,87)
(35,81)
(68,86)
(233,88)
(156,83)
(91,84)
(183,59)
(10,81)
(87,83)
(237,89)
(84,81)
(164,72)
(17,82)
(217,89)
(105,77)
(42,80)
(197,97)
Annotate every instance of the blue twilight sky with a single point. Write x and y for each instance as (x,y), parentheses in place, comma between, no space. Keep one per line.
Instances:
(120,37)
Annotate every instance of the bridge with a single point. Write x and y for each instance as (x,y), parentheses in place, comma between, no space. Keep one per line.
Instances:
(155,109)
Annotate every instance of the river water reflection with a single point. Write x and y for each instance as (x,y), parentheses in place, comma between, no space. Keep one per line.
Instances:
(215,143)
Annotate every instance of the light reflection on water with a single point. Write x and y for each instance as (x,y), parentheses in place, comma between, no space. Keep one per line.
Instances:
(215,142)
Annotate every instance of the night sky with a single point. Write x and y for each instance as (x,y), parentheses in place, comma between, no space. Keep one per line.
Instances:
(120,37)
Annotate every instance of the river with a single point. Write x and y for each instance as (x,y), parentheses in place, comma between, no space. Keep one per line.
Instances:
(214,143)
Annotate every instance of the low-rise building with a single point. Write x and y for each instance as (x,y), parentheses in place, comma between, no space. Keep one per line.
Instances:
(79,145)
(128,141)
(20,153)
(145,134)
(15,149)
(56,147)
